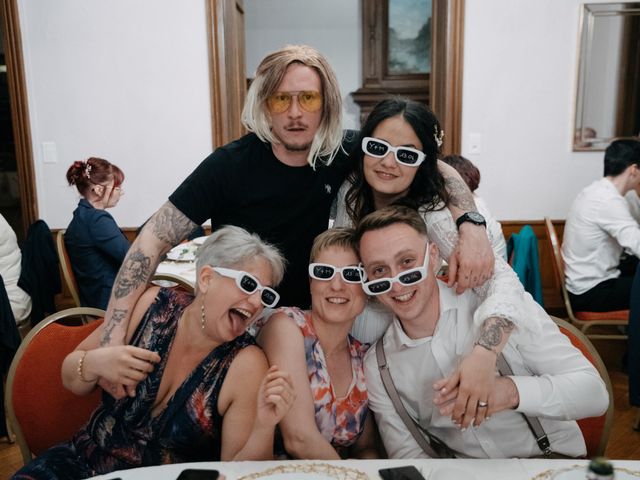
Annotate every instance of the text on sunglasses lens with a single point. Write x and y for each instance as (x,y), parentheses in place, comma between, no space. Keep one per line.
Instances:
(408,277)
(249,284)
(404,155)
(323,271)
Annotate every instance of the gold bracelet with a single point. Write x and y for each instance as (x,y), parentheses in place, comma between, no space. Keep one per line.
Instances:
(79,368)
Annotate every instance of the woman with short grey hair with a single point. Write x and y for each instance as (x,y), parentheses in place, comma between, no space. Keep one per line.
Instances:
(200,388)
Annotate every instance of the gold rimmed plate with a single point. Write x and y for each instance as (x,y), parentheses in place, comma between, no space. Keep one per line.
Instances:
(309,471)
(579,472)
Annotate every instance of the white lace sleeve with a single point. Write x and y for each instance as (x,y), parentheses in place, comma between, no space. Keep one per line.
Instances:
(501,295)
(342,217)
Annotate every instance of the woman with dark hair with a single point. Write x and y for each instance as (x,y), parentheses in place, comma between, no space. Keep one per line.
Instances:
(398,163)
(95,244)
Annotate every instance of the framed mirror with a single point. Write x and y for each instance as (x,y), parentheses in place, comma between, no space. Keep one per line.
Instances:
(608,88)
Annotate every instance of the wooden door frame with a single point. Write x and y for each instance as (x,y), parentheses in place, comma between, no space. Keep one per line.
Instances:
(12,41)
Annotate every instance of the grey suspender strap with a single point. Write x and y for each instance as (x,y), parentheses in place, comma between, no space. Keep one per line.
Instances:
(408,421)
(534,424)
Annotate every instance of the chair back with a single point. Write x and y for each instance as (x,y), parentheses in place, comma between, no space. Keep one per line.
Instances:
(170,280)
(595,430)
(40,409)
(583,320)
(67,271)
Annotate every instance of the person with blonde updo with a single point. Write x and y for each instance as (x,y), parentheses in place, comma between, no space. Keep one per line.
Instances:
(95,244)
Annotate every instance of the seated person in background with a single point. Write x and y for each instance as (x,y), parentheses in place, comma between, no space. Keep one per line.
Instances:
(431,331)
(599,228)
(633,200)
(330,417)
(202,388)
(10,258)
(95,244)
(471,176)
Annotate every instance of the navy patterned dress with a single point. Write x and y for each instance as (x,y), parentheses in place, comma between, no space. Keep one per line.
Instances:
(122,434)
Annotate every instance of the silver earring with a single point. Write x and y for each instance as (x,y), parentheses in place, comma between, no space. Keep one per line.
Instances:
(202,319)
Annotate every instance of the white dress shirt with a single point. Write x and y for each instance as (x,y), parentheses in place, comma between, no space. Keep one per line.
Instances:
(555,382)
(633,200)
(502,295)
(10,258)
(598,228)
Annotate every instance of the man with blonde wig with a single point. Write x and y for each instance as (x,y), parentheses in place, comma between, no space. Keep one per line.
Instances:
(278,181)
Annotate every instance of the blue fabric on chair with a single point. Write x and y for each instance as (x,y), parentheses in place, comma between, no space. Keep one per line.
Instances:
(40,275)
(524,247)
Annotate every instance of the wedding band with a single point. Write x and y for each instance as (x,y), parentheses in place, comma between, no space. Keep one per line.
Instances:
(483,404)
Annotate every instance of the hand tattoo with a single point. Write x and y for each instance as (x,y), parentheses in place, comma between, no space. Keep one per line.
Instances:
(492,331)
(135,271)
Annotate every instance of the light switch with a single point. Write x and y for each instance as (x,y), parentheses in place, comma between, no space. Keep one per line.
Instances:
(475,143)
(49,152)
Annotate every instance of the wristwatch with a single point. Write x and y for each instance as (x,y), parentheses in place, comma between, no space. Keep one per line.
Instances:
(473,217)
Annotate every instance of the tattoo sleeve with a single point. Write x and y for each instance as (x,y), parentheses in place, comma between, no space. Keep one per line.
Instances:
(493,333)
(459,194)
(171,225)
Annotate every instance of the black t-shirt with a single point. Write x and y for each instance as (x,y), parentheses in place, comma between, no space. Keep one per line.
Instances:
(244,184)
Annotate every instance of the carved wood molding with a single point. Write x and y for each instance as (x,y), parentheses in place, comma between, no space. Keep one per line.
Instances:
(19,110)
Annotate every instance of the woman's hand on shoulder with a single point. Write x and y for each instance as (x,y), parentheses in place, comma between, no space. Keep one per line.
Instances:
(471,263)
(275,397)
(120,365)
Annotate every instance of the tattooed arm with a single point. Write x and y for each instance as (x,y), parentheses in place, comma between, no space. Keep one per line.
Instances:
(166,228)
(471,263)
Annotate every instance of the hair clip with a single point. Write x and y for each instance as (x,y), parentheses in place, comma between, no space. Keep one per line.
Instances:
(87,171)
(438,137)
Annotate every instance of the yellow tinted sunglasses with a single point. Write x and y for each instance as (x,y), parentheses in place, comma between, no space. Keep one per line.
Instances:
(309,100)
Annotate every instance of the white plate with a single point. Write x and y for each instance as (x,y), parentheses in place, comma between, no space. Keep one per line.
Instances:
(185,252)
(199,240)
(579,473)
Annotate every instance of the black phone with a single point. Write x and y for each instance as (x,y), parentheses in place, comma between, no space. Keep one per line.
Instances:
(198,474)
(401,473)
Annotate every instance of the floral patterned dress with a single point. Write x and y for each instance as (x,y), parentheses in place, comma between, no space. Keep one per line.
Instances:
(339,420)
(122,434)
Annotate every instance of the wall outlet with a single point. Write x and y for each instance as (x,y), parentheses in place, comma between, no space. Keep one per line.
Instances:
(49,152)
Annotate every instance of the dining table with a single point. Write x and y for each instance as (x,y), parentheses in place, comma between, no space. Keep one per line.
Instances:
(430,469)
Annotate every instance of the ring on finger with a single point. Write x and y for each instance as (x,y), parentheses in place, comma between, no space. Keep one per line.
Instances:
(482,404)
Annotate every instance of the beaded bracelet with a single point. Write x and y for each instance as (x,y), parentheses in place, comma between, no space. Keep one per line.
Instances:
(79,368)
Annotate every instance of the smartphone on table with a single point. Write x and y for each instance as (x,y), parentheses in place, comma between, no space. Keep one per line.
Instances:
(198,474)
(408,472)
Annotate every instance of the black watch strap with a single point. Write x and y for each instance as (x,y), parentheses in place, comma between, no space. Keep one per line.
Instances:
(473,217)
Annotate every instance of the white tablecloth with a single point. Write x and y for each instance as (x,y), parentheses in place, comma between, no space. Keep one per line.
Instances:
(431,469)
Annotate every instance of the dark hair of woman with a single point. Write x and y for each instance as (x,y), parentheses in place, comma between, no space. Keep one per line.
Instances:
(428,187)
(467,170)
(94,171)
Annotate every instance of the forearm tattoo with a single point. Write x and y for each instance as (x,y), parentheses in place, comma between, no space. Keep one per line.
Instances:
(135,272)
(459,194)
(170,225)
(492,331)
(116,318)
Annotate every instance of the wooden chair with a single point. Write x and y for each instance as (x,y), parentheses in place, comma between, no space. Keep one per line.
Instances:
(42,412)
(67,271)
(173,281)
(595,430)
(583,320)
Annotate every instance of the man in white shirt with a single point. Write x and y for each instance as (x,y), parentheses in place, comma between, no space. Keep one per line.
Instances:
(434,328)
(10,260)
(599,228)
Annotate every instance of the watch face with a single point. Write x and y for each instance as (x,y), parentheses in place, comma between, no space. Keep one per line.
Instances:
(475,217)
